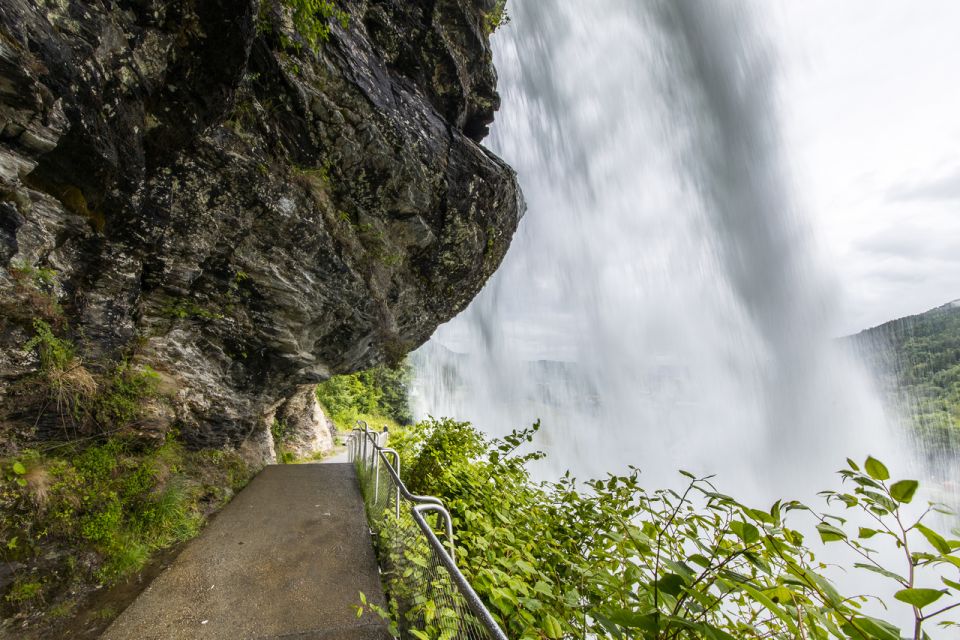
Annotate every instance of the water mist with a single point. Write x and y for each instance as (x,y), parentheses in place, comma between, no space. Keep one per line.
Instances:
(663,304)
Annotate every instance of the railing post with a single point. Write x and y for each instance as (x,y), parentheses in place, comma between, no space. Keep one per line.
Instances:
(418,506)
(376,479)
(363,434)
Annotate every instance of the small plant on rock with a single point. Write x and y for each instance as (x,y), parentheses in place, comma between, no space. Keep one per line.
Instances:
(497,17)
(312,19)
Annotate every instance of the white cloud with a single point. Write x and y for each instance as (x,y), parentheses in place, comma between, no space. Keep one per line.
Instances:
(870,108)
(941,188)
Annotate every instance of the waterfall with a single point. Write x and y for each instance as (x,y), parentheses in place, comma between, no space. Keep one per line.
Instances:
(665,303)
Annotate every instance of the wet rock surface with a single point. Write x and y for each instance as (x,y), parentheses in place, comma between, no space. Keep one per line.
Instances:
(203,193)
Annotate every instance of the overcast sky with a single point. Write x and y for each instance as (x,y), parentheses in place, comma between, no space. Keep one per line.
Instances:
(871,111)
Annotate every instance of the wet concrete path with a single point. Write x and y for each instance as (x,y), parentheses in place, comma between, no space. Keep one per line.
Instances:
(286,558)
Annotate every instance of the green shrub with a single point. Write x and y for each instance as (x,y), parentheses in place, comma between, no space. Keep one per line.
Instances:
(279,431)
(97,463)
(37,293)
(497,17)
(377,393)
(24,591)
(611,559)
(85,402)
(116,501)
(167,516)
(105,518)
(125,554)
(54,352)
(123,394)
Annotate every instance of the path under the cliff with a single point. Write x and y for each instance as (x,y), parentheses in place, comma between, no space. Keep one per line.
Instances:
(287,558)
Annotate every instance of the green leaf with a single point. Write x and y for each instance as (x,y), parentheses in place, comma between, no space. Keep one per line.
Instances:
(876,469)
(864,481)
(805,575)
(917,597)
(881,571)
(879,500)
(713,633)
(18,468)
(865,533)
(745,531)
(853,465)
(849,500)
(873,628)
(775,512)
(780,594)
(771,606)
(551,627)
(633,620)
(526,567)
(935,539)
(951,583)
(830,533)
(761,516)
(903,490)
(671,584)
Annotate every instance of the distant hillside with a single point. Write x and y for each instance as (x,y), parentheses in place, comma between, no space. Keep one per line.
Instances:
(917,360)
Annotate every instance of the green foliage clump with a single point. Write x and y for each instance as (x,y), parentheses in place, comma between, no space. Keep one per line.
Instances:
(312,19)
(24,591)
(121,501)
(40,276)
(611,559)
(377,395)
(55,353)
(81,514)
(84,401)
(279,431)
(496,17)
(122,396)
(62,382)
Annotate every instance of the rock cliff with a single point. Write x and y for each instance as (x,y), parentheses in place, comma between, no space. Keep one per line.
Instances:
(189,185)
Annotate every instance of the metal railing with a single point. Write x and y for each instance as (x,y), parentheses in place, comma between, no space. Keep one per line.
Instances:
(426,590)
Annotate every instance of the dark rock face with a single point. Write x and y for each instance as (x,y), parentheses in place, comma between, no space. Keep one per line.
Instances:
(240,213)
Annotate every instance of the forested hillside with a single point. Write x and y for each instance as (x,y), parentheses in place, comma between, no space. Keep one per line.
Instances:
(917,360)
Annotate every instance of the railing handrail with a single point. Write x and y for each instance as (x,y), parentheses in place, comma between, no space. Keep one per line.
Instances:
(466,590)
(421,505)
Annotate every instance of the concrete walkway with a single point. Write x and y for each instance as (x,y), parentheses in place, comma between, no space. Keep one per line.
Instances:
(286,558)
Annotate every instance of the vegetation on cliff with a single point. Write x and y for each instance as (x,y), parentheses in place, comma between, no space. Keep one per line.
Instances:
(610,558)
(90,488)
(82,514)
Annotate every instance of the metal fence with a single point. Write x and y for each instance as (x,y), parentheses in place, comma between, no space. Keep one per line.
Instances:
(426,591)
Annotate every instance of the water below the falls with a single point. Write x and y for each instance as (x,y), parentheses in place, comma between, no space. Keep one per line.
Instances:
(665,303)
